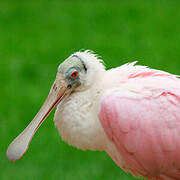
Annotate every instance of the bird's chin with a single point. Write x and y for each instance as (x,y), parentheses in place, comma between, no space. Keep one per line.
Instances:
(58,93)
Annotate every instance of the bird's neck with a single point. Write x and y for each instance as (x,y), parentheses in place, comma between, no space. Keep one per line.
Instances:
(77,120)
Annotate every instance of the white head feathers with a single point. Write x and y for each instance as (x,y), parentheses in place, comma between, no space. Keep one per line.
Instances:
(94,67)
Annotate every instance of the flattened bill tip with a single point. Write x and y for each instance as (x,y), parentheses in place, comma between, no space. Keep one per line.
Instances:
(16,150)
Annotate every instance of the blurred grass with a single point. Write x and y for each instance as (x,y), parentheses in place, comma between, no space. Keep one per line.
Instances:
(35,36)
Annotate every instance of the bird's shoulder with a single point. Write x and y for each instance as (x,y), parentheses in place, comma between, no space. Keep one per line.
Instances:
(143,121)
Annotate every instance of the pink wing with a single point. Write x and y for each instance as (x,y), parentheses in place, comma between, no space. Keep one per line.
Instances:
(145,128)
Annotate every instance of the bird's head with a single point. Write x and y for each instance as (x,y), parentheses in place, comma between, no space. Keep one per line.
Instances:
(77,73)
(80,70)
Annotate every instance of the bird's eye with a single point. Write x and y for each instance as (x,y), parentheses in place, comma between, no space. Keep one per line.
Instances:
(74,74)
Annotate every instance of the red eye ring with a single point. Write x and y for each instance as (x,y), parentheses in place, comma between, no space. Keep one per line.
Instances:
(74,74)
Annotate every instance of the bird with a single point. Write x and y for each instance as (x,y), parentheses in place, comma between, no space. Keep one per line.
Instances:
(131,112)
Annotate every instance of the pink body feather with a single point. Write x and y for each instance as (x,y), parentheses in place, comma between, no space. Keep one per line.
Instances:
(141,116)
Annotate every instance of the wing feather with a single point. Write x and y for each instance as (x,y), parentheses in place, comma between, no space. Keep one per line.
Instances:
(145,130)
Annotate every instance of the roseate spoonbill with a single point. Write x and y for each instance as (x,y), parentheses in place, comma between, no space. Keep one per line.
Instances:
(132,112)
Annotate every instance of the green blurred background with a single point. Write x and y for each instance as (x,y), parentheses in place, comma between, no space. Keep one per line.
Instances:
(35,36)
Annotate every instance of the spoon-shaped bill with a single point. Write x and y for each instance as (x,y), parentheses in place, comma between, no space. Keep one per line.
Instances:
(20,144)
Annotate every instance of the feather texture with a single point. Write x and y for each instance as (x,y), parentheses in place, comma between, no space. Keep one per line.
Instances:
(141,116)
